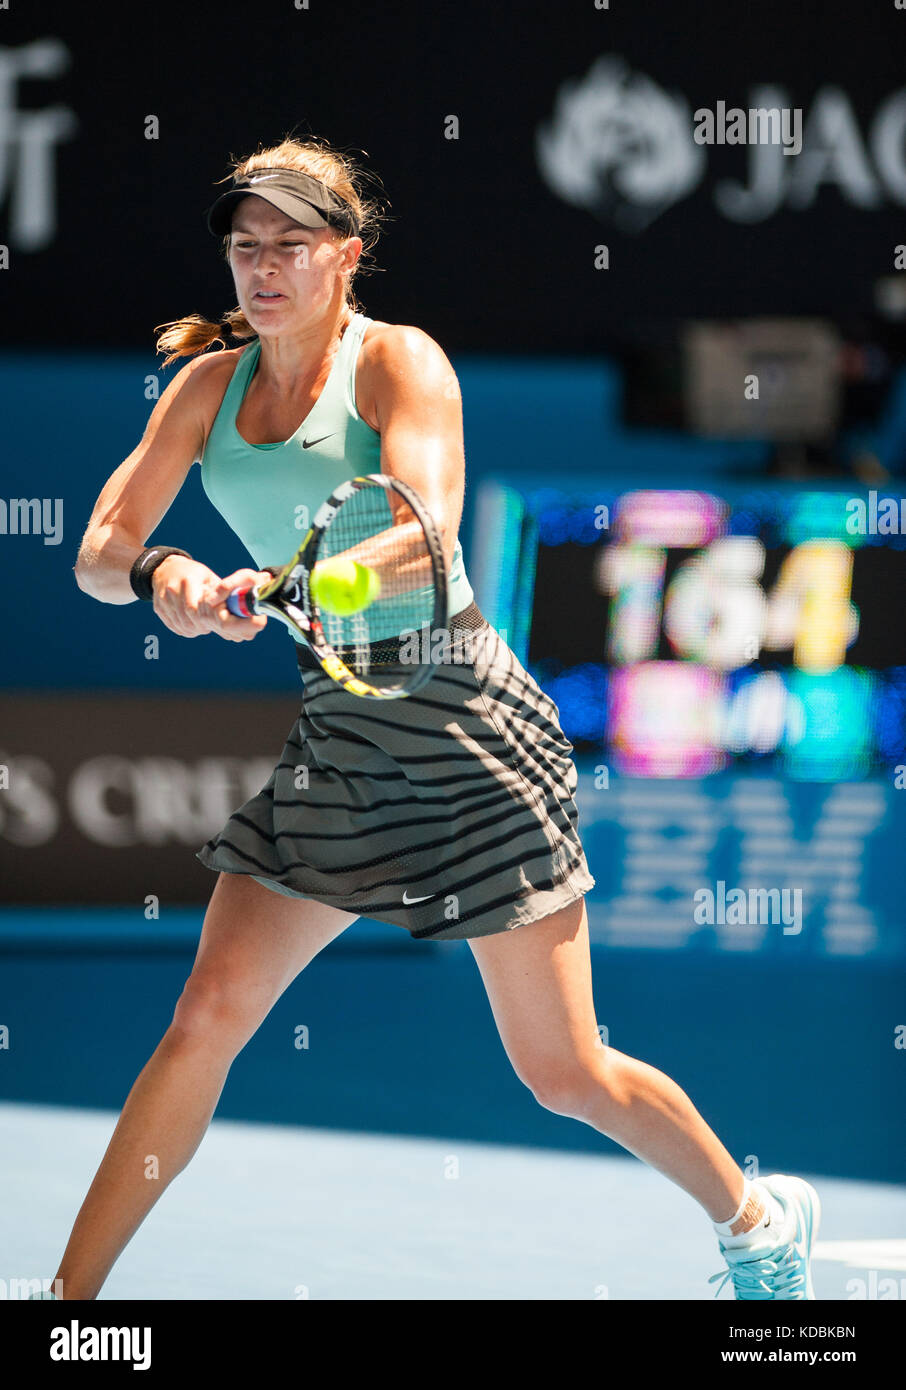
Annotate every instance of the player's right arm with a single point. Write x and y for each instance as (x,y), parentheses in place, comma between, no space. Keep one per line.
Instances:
(188,597)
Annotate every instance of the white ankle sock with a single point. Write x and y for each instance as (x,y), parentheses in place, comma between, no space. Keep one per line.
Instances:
(731,1234)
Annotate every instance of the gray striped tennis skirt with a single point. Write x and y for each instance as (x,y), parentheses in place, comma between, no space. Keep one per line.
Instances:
(449,813)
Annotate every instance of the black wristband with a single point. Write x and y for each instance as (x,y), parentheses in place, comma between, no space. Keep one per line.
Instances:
(145,565)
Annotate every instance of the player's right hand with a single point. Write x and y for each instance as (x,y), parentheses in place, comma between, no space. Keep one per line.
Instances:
(190,599)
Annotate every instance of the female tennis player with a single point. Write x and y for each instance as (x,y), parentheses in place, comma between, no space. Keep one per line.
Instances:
(458,801)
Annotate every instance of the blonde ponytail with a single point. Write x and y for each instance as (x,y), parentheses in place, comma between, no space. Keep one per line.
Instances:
(193,333)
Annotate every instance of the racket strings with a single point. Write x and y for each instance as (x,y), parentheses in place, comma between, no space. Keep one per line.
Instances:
(379,529)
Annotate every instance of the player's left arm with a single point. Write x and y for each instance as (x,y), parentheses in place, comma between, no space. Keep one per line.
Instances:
(418,410)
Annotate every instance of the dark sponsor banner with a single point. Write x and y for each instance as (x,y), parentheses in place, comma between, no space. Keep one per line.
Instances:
(557,178)
(106,799)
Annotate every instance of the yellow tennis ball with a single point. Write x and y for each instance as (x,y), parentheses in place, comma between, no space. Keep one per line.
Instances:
(343,586)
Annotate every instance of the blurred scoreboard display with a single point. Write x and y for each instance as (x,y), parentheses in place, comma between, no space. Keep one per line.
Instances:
(730,666)
(681,632)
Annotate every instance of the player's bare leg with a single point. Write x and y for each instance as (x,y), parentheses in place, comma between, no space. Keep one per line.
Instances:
(253,945)
(538,980)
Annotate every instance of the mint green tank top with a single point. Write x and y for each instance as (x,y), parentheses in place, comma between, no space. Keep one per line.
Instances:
(269,493)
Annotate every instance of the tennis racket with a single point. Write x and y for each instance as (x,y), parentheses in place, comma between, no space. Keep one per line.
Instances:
(378,650)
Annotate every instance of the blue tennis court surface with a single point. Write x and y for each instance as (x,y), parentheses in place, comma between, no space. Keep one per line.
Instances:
(397,1156)
(285,1212)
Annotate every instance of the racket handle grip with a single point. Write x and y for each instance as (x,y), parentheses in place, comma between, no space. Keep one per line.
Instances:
(241,603)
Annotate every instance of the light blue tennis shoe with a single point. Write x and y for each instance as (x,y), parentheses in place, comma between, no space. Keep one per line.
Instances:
(779,1267)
